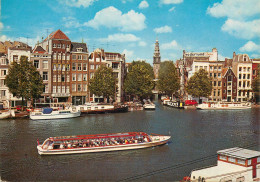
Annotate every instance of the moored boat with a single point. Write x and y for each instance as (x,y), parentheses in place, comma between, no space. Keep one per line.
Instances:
(100,143)
(223,106)
(49,113)
(149,106)
(94,108)
(4,115)
(233,164)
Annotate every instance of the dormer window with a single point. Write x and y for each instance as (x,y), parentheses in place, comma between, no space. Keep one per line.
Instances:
(54,45)
(79,49)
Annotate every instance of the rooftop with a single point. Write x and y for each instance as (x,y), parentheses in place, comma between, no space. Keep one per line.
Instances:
(239,153)
(58,34)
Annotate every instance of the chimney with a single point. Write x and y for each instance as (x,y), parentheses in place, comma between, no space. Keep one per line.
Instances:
(234,54)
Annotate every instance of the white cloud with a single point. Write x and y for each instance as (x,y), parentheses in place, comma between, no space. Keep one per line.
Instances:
(165,29)
(143,5)
(171,45)
(1,26)
(250,46)
(142,43)
(71,22)
(30,41)
(172,9)
(119,37)
(77,3)
(113,18)
(238,9)
(171,1)
(128,54)
(255,56)
(242,29)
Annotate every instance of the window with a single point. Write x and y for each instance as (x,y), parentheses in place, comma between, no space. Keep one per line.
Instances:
(219,83)
(210,75)
(211,68)
(63,46)
(205,67)
(79,87)
(79,77)
(215,75)
(97,66)
(215,83)
(3,94)
(244,84)
(229,92)
(3,72)
(63,89)
(248,69)
(54,45)
(84,77)
(54,56)
(79,57)
(74,57)
(45,88)
(196,68)
(248,76)
(63,78)
(36,63)
(248,83)
(67,89)
(115,66)
(219,68)
(214,93)
(73,87)
(215,67)
(84,87)
(240,68)
(254,72)
(84,57)
(59,68)
(84,67)
(224,84)
(54,89)
(58,46)
(218,92)
(91,75)
(219,75)
(240,161)
(68,46)
(68,57)
(45,64)
(92,66)
(58,87)
(229,78)
(258,160)
(229,83)
(45,75)
(79,67)
(54,78)
(59,56)
(239,84)
(239,76)
(63,67)
(234,90)
(231,159)
(73,66)
(67,67)
(59,78)
(244,76)
(74,77)
(54,67)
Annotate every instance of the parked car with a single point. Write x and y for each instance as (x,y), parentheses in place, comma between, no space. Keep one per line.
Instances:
(190,102)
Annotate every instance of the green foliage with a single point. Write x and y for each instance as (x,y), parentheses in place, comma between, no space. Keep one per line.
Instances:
(199,84)
(168,80)
(23,80)
(103,83)
(139,79)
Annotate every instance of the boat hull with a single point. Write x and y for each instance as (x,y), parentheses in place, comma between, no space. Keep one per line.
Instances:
(54,116)
(110,148)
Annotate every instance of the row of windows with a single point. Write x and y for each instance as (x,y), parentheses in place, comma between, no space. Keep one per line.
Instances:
(60,46)
(59,56)
(79,77)
(244,76)
(216,93)
(244,69)
(215,75)
(79,57)
(4,61)
(215,68)
(229,91)
(215,83)
(79,66)
(79,87)
(238,161)
(36,64)
(61,78)
(63,67)
(60,89)
(245,83)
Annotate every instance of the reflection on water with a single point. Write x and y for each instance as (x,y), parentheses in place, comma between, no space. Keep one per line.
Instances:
(195,134)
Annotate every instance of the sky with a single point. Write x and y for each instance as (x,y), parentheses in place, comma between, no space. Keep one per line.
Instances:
(132,26)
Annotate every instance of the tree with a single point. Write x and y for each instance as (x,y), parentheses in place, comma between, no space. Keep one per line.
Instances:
(103,83)
(23,80)
(199,84)
(168,80)
(139,79)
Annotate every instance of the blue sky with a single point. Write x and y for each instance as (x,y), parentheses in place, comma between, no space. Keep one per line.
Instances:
(132,26)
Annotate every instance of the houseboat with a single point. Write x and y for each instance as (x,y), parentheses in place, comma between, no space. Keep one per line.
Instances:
(5,115)
(95,108)
(223,106)
(233,165)
(100,143)
(49,113)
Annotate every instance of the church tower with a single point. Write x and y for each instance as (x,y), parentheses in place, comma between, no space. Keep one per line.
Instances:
(156,59)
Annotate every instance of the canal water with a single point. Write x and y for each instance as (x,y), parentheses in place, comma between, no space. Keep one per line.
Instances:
(196,136)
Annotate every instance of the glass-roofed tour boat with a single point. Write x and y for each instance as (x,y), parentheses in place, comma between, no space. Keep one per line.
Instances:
(100,143)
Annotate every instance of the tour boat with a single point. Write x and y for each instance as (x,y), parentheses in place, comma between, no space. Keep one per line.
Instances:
(49,113)
(100,143)
(92,108)
(234,164)
(224,105)
(149,106)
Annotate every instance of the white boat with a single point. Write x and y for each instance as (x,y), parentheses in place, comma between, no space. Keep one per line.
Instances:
(95,108)
(234,164)
(4,115)
(223,105)
(49,113)
(100,143)
(149,106)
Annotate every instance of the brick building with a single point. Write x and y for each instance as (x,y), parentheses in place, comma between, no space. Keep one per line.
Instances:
(229,85)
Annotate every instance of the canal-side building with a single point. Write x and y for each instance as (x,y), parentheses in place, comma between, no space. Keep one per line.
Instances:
(79,73)
(116,61)
(229,85)
(242,68)
(4,91)
(41,60)
(59,45)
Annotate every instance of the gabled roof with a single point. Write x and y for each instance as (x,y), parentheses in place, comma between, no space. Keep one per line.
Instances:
(76,45)
(39,49)
(58,34)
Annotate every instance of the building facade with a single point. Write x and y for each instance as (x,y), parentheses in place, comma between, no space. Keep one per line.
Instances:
(229,85)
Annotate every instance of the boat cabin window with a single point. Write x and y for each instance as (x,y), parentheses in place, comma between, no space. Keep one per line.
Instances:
(240,179)
(249,162)
(89,107)
(239,161)
(102,107)
(222,157)
(258,159)
(231,159)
